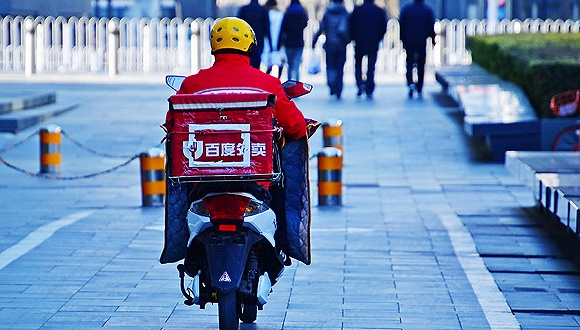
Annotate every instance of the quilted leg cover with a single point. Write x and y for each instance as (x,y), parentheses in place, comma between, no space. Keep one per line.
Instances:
(294,222)
(297,206)
(176,230)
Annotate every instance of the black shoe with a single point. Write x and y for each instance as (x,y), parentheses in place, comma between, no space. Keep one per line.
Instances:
(370,96)
(361,90)
(411,90)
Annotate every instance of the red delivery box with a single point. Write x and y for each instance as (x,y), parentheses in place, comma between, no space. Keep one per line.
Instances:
(221,134)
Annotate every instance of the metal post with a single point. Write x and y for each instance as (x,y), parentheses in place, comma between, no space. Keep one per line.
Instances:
(332,133)
(182,34)
(67,44)
(153,177)
(443,43)
(50,157)
(113,47)
(195,46)
(492,16)
(330,177)
(148,48)
(30,47)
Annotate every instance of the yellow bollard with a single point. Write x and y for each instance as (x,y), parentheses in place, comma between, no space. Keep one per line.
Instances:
(50,158)
(153,177)
(330,177)
(332,133)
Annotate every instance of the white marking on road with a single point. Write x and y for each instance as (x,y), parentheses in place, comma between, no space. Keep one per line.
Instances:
(350,230)
(156,228)
(38,236)
(492,302)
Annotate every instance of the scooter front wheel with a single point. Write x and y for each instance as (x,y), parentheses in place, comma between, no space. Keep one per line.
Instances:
(228,311)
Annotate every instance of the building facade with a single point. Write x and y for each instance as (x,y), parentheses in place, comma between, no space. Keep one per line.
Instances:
(449,9)
(510,9)
(66,8)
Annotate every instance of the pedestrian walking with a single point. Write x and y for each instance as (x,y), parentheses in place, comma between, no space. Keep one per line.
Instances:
(417,23)
(258,18)
(292,37)
(273,57)
(334,25)
(367,26)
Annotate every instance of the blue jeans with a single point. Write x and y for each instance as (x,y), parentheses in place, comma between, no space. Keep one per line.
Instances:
(294,59)
(335,59)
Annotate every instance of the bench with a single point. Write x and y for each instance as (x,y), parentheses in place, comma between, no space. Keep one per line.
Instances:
(555,181)
(493,109)
(21,109)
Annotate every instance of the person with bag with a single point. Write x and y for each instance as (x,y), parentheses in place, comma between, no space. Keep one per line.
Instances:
(273,57)
(292,37)
(334,25)
(367,26)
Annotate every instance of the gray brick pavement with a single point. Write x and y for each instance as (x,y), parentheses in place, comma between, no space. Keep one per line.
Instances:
(388,259)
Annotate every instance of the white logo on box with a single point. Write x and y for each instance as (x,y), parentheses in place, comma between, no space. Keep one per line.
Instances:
(208,148)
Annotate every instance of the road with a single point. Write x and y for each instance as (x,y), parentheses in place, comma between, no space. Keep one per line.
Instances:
(431,236)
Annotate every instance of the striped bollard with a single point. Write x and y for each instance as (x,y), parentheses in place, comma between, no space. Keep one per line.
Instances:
(330,177)
(153,177)
(332,133)
(50,158)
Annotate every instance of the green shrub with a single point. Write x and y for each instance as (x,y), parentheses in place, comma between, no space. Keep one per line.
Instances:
(542,64)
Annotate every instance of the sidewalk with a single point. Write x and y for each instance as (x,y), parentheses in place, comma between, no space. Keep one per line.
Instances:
(429,236)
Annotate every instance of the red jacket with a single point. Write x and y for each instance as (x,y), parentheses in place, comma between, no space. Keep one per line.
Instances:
(233,70)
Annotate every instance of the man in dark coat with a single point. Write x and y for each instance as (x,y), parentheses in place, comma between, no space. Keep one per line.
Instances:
(417,23)
(258,18)
(367,26)
(292,37)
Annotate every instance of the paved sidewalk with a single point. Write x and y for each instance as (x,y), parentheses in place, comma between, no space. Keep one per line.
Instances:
(431,236)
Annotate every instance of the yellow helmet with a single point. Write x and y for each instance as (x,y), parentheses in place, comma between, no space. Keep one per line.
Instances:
(232,33)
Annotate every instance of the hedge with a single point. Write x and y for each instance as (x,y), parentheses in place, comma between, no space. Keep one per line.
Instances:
(542,64)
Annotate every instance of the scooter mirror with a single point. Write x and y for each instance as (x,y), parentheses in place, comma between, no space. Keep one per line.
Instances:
(174,81)
(294,89)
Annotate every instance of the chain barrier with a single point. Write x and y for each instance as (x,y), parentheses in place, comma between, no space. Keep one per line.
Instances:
(17,144)
(90,150)
(78,144)
(76,177)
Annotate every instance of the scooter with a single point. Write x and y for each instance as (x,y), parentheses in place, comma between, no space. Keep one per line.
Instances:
(232,257)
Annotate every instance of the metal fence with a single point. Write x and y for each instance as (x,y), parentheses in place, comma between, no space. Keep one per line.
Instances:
(50,44)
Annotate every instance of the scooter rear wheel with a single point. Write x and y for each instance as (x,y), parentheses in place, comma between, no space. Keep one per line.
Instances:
(249,313)
(228,311)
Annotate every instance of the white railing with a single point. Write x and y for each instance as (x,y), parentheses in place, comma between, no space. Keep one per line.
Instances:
(87,44)
(452,34)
